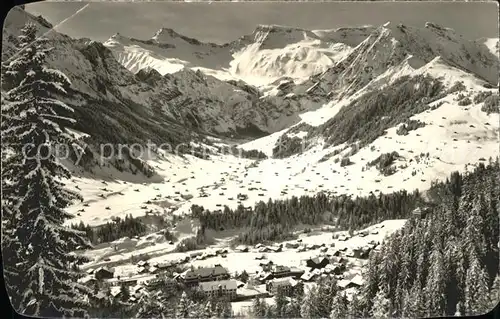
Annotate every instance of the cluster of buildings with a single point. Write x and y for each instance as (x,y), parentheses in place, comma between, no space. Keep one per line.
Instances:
(216,281)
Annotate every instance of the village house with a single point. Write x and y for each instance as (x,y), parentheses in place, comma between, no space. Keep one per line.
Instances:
(267,266)
(216,273)
(103,273)
(343,238)
(196,254)
(284,271)
(420,212)
(317,262)
(276,249)
(219,289)
(292,245)
(286,284)
(355,282)
(241,248)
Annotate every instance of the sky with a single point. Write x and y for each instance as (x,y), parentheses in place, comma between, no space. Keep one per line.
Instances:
(222,22)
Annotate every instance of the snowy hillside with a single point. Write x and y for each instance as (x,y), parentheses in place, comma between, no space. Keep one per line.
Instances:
(390,45)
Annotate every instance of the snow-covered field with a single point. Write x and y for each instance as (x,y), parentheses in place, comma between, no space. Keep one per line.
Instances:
(454,136)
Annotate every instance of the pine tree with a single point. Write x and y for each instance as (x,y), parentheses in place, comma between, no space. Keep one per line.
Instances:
(381,305)
(280,302)
(309,307)
(124,292)
(227,310)
(476,289)
(207,311)
(48,286)
(495,292)
(436,285)
(339,307)
(183,307)
(354,308)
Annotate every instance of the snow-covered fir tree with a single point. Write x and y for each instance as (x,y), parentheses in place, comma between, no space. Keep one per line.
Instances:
(31,113)
(381,305)
(339,307)
(476,289)
(309,307)
(183,307)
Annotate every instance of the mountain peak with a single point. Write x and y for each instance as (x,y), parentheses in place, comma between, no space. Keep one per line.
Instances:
(167,35)
(166,32)
(437,27)
(272,28)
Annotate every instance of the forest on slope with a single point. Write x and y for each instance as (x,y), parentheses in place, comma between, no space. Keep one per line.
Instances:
(443,264)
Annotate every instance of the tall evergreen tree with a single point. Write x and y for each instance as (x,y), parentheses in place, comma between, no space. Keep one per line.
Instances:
(339,307)
(280,302)
(476,289)
(381,305)
(309,307)
(183,307)
(31,113)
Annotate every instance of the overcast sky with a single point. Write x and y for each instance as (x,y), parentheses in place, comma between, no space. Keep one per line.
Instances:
(222,22)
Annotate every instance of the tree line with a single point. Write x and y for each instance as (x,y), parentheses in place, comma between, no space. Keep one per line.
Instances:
(276,219)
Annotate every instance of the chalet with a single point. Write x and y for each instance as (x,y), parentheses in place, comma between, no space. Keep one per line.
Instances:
(280,271)
(420,212)
(317,262)
(142,270)
(90,271)
(287,284)
(242,249)
(312,246)
(219,289)
(153,270)
(334,268)
(350,254)
(323,249)
(163,266)
(216,273)
(196,254)
(357,281)
(127,282)
(334,252)
(89,280)
(276,249)
(265,276)
(342,238)
(374,232)
(361,253)
(142,263)
(292,245)
(308,276)
(263,249)
(339,260)
(267,266)
(221,251)
(103,273)
(260,257)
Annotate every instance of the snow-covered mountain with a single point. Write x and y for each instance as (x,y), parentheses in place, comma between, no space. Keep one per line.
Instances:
(317,83)
(186,99)
(390,49)
(270,52)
